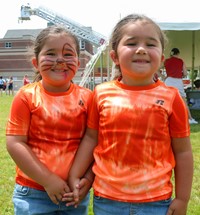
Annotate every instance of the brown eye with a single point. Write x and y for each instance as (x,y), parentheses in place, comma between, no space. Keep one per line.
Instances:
(50,54)
(68,55)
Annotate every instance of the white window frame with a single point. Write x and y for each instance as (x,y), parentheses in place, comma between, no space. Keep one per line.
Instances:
(8,45)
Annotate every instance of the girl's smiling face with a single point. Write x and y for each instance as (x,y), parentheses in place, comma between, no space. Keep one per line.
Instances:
(139,53)
(57,62)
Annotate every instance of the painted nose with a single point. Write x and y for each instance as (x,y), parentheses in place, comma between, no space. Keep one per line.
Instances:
(60,60)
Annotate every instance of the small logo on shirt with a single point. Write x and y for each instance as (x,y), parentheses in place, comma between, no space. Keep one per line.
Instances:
(160,102)
(81,103)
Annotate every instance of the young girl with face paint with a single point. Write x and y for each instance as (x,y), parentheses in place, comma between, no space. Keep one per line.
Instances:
(138,129)
(46,123)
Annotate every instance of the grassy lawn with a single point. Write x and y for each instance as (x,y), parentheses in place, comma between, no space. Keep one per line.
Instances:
(8,167)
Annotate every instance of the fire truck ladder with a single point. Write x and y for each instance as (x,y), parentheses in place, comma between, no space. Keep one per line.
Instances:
(90,65)
(80,31)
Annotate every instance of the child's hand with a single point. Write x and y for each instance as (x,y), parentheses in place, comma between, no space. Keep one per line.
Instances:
(72,198)
(177,207)
(81,189)
(55,188)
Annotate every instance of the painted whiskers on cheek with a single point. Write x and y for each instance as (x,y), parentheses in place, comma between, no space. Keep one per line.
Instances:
(59,64)
(46,64)
(71,63)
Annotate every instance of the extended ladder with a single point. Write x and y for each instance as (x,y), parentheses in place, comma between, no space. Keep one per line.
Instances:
(80,31)
(90,65)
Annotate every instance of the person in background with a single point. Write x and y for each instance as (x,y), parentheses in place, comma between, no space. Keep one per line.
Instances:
(197,84)
(176,70)
(1,85)
(46,124)
(26,80)
(5,85)
(10,86)
(138,131)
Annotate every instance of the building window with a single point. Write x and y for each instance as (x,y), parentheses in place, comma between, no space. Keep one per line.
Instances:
(8,45)
(82,44)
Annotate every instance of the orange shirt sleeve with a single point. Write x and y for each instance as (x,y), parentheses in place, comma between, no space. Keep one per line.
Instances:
(178,121)
(93,113)
(20,116)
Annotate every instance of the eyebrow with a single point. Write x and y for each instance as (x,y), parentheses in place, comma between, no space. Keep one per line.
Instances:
(65,48)
(69,47)
(148,38)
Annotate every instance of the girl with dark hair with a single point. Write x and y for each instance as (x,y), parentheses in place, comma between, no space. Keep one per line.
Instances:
(45,127)
(138,129)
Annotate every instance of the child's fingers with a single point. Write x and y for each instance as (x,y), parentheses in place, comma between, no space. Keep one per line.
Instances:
(54,199)
(71,204)
(68,197)
(80,184)
(76,195)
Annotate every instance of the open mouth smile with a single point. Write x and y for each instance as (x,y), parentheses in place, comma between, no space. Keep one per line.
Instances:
(141,61)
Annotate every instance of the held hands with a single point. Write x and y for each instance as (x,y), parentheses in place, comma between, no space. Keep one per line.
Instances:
(72,198)
(177,207)
(80,188)
(55,188)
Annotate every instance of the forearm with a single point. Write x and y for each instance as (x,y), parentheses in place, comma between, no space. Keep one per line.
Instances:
(183,175)
(27,161)
(84,157)
(89,175)
(82,162)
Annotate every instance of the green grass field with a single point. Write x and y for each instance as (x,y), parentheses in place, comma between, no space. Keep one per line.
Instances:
(7,172)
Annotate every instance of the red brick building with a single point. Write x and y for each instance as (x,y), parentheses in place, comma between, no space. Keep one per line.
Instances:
(13,55)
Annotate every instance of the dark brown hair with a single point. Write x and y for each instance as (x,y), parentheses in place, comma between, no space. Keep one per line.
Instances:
(174,51)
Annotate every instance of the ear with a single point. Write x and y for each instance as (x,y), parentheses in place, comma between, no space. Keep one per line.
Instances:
(78,63)
(34,62)
(114,57)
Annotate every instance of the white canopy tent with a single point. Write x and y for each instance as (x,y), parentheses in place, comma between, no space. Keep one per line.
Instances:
(185,37)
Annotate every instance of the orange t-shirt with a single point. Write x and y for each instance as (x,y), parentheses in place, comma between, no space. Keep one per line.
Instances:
(54,124)
(134,157)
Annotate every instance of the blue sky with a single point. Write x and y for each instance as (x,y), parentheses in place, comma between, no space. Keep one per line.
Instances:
(101,15)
